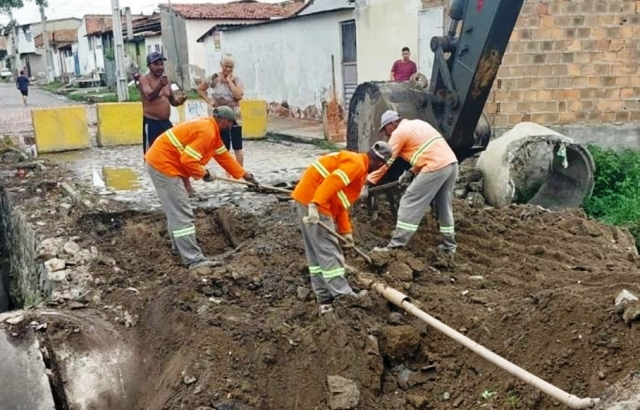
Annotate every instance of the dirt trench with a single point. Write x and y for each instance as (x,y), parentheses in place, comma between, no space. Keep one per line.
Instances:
(534,286)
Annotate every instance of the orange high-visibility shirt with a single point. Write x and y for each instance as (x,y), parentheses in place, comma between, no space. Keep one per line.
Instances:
(185,149)
(334,182)
(421,145)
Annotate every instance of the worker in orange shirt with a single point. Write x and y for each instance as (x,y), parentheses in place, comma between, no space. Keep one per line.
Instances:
(325,193)
(182,152)
(435,168)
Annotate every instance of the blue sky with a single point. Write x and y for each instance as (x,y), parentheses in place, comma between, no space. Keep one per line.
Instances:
(78,8)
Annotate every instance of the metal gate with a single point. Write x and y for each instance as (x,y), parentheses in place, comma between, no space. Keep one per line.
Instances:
(349,61)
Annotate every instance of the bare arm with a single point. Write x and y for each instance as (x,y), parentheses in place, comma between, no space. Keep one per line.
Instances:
(148,93)
(202,92)
(392,75)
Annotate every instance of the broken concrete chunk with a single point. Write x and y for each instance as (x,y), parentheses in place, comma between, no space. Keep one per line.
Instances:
(344,393)
(49,248)
(418,402)
(625,297)
(82,257)
(71,248)
(58,276)
(55,264)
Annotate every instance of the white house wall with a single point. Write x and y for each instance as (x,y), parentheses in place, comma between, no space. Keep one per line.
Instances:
(211,55)
(289,61)
(383,28)
(85,57)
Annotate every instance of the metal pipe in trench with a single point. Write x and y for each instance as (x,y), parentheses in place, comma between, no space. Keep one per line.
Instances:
(401,300)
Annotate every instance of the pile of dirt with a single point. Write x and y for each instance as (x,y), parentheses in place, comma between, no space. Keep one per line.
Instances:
(536,287)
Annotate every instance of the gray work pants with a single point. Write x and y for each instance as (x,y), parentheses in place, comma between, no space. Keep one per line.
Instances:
(324,258)
(434,186)
(180,220)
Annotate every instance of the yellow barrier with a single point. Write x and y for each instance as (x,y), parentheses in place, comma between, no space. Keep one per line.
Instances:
(254,119)
(119,124)
(60,129)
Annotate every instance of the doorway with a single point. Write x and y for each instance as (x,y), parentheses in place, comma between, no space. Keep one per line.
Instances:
(349,61)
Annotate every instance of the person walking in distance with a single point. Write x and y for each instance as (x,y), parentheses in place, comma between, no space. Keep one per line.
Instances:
(157,99)
(22,83)
(432,177)
(182,152)
(224,88)
(403,69)
(325,193)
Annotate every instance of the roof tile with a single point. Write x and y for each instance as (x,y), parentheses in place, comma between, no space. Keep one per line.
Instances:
(58,36)
(239,10)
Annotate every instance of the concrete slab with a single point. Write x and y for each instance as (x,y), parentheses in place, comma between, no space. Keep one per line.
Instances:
(119,124)
(61,129)
(24,384)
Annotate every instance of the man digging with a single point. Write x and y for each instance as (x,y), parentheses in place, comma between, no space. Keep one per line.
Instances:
(432,178)
(325,193)
(178,154)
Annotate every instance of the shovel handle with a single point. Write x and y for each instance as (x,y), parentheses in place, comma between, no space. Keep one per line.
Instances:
(343,239)
(270,188)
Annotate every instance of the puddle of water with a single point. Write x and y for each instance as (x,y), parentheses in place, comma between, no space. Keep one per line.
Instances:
(121,179)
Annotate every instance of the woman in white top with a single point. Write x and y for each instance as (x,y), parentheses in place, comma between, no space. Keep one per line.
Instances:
(226,89)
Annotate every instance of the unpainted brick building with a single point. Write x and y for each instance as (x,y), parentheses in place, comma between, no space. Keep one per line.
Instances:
(573,66)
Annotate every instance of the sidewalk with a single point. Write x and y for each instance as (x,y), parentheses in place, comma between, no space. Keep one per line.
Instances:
(299,130)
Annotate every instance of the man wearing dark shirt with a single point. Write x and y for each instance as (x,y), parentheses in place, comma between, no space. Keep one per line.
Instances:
(402,70)
(22,82)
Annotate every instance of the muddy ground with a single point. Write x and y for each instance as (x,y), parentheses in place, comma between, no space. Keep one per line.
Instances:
(536,287)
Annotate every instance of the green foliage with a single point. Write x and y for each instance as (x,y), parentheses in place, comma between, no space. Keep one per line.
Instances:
(110,54)
(6,5)
(616,194)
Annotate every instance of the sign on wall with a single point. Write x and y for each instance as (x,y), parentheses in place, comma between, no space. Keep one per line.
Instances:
(216,41)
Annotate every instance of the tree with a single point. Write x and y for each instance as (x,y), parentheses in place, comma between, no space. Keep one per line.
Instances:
(7,5)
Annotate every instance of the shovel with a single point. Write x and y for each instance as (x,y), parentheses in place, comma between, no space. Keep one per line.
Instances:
(343,239)
(262,187)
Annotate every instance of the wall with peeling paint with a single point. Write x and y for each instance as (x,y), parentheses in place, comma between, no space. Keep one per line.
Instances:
(289,60)
(383,27)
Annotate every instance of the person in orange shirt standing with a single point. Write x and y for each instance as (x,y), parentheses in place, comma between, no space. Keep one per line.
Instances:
(325,193)
(435,168)
(182,152)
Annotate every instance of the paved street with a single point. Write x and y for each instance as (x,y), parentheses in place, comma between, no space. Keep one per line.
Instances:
(122,168)
(15,117)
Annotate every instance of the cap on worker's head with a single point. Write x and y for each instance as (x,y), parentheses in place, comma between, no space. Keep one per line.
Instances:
(388,117)
(155,56)
(224,112)
(382,150)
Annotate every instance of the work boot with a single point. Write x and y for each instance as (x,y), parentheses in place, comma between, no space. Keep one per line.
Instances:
(204,263)
(359,299)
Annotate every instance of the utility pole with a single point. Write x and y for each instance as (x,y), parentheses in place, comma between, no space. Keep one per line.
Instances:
(15,39)
(118,43)
(47,52)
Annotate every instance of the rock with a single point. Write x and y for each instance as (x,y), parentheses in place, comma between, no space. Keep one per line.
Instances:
(15,320)
(65,208)
(344,393)
(49,248)
(446,396)
(476,277)
(81,257)
(631,313)
(416,264)
(400,342)
(55,264)
(188,380)
(401,271)
(476,200)
(625,297)
(396,318)
(58,276)
(303,293)
(71,248)
(418,402)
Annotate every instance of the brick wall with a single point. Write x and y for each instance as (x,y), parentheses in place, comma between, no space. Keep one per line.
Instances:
(569,62)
